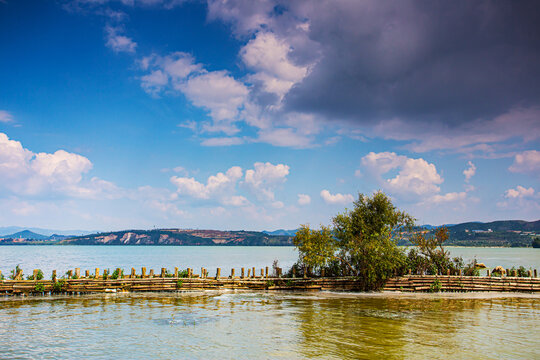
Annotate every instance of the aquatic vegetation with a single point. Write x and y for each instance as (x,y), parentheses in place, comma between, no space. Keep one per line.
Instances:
(57,286)
(118,273)
(15,272)
(436,286)
(39,276)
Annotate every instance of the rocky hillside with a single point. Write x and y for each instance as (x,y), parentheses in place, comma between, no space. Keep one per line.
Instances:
(179,237)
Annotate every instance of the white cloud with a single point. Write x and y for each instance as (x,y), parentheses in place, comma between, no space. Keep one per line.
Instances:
(286,137)
(27,173)
(304,199)
(415,176)
(118,42)
(268,56)
(526,162)
(154,82)
(336,198)
(264,177)
(216,185)
(235,200)
(222,141)
(449,197)
(174,68)
(470,171)
(218,92)
(5,117)
(519,192)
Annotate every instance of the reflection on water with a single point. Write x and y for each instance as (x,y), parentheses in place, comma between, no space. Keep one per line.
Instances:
(216,325)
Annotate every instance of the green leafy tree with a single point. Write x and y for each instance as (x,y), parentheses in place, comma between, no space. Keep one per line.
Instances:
(362,240)
(316,247)
(536,242)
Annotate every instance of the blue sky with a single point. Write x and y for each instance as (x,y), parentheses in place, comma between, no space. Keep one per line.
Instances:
(265,115)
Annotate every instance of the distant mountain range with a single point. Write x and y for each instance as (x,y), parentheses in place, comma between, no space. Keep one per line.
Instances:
(10,230)
(496,233)
(281,232)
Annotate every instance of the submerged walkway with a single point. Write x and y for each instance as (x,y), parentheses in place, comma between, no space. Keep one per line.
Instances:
(74,283)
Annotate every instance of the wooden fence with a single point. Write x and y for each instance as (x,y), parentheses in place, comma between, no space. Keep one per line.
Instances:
(76,283)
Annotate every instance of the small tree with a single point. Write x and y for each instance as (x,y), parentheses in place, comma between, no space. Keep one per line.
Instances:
(536,242)
(432,250)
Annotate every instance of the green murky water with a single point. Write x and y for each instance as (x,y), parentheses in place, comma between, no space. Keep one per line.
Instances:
(248,325)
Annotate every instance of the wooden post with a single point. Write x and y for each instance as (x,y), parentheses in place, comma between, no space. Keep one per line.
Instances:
(133,273)
(410,272)
(266,272)
(218,273)
(488,273)
(0,274)
(514,273)
(202,272)
(530,273)
(190,272)
(69,274)
(253,272)
(459,272)
(119,271)
(535,273)
(448,272)
(294,271)
(322,272)
(106,273)
(163,272)
(249,273)
(151,275)
(87,273)
(262,273)
(96,274)
(232,273)
(242,273)
(305,272)
(35,272)
(176,272)
(143,272)
(77,273)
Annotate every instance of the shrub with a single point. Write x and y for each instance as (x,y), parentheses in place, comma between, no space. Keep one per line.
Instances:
(15,271)
(39,287)
(436,286)
(522,272)
(179,283)
(269,283)
(183,274)
(470,269)
(117,273)
(57,286)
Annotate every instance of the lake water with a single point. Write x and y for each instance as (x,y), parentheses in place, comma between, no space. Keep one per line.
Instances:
(63,258)
(264,325)
(258,325)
